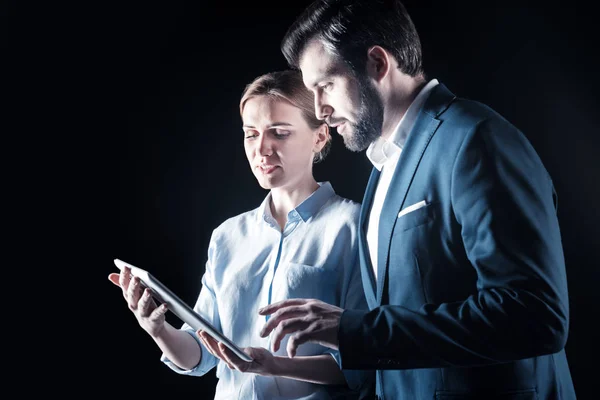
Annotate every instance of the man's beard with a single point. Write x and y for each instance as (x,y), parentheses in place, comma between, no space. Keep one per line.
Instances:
(369,120)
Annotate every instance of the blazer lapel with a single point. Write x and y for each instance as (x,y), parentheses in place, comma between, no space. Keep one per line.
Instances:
(367,275)
(416,143)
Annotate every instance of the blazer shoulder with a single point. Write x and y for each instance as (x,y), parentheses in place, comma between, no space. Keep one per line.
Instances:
(474,112)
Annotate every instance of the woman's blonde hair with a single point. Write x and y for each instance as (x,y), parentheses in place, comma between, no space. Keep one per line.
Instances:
(287,85)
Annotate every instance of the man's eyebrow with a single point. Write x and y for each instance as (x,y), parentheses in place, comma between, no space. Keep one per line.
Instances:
(328,73)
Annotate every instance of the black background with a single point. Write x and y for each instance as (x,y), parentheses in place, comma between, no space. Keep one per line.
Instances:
(136,105)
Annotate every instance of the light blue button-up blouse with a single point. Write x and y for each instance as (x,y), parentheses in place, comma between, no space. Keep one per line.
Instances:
(252,263)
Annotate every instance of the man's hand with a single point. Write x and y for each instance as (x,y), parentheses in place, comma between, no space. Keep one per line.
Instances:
(309,320)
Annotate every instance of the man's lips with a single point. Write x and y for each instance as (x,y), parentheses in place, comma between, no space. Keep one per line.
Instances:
(334,122)
(340,127)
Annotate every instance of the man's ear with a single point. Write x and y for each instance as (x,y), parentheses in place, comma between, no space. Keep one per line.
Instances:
(378,63)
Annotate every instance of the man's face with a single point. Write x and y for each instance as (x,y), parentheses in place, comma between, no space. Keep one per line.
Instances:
(347,102)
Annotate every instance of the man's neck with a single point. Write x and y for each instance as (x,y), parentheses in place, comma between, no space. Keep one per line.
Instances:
(402,92)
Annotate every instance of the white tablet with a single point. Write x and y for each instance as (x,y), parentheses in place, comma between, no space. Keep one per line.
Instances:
(180,308)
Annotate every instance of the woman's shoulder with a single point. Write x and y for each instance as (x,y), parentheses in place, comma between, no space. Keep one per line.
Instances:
(341,208)
(343,203)
(236,223)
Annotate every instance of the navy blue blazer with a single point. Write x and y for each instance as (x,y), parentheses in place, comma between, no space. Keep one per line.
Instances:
(471,298)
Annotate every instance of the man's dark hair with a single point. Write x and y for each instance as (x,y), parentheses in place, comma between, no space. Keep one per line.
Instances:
(348,28)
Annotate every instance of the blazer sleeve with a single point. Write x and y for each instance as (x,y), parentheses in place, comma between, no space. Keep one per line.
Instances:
(352,297)
(505,204)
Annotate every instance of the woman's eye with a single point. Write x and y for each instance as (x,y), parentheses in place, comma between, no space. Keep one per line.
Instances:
(281,134)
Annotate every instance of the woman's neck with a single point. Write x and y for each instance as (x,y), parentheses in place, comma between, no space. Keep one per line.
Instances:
(284,199)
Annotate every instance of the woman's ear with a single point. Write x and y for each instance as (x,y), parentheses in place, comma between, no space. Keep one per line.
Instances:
(321,138)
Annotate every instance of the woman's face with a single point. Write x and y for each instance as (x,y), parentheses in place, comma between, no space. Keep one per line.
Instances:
(279,143)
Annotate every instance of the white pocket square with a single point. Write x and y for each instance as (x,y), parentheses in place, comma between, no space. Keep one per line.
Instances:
(412,208)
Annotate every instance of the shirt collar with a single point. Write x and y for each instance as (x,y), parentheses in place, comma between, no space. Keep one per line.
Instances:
(305,210)
(381,150)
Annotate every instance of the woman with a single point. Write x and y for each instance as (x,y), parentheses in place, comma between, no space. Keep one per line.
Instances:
(299,243)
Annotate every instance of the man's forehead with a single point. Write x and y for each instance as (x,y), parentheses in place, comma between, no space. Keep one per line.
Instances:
(315,48)
(317,63)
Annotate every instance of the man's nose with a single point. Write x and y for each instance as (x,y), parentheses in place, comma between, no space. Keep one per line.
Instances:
(322,109)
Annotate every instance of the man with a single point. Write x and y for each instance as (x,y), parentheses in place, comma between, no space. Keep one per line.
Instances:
(460,247)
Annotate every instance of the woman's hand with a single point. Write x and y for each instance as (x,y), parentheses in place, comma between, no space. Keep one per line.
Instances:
(150,316)
(264,363)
